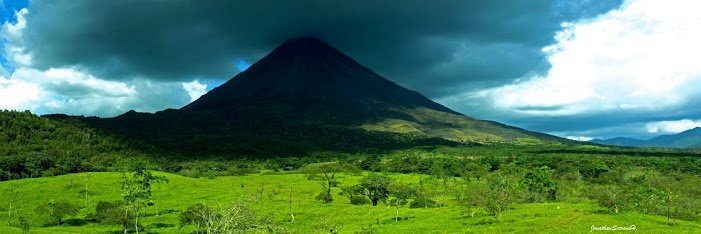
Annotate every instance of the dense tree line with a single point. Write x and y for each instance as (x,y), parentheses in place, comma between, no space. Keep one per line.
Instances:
(32,146)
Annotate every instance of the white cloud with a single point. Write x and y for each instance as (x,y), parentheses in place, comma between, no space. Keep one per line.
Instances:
(579,138)
(640,57)
(672,126)
(12,34)
(17,94)
(61,90)
(195,89)
(14,31)
(73,83)
(75,92)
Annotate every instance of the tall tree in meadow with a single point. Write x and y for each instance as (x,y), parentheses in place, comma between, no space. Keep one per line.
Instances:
(376,188)
(136,191)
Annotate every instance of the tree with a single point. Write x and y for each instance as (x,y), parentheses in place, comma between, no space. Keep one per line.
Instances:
(400,194)
(609,196)
(57,210)
(326,172)
(500,196)
(375,187)
(540,184)
(444,170)
(136,191)
(12,193)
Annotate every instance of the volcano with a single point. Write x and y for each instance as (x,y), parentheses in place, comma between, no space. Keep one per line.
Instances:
(307,96)
(308,77)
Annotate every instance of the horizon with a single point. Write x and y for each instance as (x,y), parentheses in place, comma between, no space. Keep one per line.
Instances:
(580,70)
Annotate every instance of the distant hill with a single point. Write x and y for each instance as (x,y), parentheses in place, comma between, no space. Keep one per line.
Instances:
(306,96)
(687,139)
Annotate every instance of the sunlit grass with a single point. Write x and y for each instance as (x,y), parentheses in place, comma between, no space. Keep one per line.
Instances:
(270,194)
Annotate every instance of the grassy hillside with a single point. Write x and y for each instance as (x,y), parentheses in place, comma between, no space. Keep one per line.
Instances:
(270,193)
(429,122)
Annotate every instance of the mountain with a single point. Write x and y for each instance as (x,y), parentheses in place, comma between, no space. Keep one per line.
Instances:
(620,141)
(687,139)
(310,75)
(307,96)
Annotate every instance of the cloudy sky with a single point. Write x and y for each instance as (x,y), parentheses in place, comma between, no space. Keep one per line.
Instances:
(580,69)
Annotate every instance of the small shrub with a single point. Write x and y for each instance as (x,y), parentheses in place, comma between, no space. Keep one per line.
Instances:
(324,197)
(359,200)
(423,202)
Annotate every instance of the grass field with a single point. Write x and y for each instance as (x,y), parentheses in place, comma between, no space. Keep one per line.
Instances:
(270,194)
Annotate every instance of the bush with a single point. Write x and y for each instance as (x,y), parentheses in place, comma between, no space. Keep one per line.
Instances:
(540,184)
(197,215)
(423,202)
(359,200)
(355,195)
(592,168)
(57,210)
(25,223)
(495,197)
(237,218)
(611,197)
(109,213)
(324,197)
(684,208)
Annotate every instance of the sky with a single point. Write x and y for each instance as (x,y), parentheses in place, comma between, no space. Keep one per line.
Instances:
(580,69)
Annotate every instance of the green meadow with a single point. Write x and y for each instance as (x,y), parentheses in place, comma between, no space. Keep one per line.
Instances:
(281,195)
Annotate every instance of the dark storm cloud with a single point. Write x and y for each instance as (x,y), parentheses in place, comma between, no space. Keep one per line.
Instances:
(435,47)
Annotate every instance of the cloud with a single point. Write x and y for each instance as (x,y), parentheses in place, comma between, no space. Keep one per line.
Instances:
(73,90)
(672,126)
(632,65)
(445,43)
(195,89)
(12,34)
(17,94)
(579,138)
(638,57)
